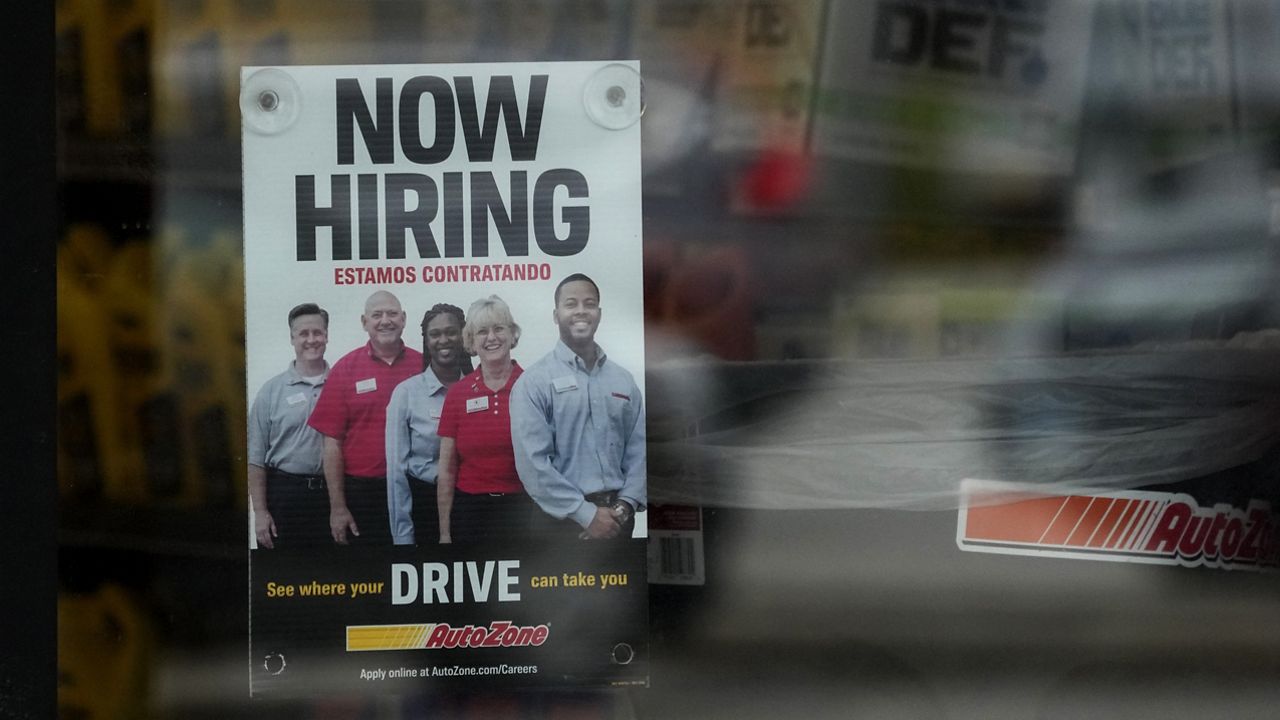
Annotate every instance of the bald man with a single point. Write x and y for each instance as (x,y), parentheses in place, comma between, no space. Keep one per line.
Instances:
(351,414)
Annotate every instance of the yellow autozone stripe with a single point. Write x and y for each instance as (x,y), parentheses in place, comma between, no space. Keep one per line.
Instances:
(362,638)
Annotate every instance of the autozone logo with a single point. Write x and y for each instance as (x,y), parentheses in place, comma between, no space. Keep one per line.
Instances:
(442,636)
(1135,526)
(500,633)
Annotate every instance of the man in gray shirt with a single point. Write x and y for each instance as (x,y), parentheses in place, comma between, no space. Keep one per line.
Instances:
(286,484)
(577,424)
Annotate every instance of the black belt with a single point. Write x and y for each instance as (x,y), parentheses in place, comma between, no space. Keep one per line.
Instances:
(313,482)
(604,498)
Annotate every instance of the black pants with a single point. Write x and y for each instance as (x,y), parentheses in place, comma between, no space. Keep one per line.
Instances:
(299,506)
(367,501)
(490,517)
(425,515)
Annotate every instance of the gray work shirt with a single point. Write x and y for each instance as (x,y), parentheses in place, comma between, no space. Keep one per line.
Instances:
(413,416)
(279,436)
(576,432)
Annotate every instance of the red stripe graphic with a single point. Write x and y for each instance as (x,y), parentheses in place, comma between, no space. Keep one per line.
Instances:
(1148,527)
(1108,524)
(1098,507)
(1072,512)
(1139,520)
(1125,526)
(1020,520)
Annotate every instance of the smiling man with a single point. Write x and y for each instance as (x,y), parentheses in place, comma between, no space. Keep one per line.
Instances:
(352,416)
(285,484)
(577,425)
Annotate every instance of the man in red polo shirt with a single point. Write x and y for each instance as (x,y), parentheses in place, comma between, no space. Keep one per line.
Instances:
(352,415)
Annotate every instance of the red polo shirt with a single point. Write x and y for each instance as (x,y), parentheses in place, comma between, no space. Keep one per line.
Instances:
(353,406)
(479,421)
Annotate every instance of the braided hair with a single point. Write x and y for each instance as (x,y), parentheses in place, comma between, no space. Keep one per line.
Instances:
(464,359)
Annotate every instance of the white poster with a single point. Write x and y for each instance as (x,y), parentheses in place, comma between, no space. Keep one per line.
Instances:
(536,245)
(445,370)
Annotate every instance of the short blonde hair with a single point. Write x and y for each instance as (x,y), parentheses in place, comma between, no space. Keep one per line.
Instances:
(488,311)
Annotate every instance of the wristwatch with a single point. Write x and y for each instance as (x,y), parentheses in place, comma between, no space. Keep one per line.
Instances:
(622,510)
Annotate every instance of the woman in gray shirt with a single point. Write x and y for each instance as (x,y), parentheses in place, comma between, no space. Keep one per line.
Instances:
(412,418)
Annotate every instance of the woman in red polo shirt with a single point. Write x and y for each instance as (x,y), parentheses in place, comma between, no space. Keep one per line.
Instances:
(478,492)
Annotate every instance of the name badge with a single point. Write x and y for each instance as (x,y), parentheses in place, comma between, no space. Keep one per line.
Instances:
(366,386)
(565,384)
(296,398)
(433,414)
(478,403)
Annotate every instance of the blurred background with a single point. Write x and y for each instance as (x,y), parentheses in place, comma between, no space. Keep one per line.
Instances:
(889,245)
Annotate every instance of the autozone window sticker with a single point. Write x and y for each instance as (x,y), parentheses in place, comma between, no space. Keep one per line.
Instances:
(1126,526)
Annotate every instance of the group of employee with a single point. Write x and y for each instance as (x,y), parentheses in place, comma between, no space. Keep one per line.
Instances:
(390,445)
